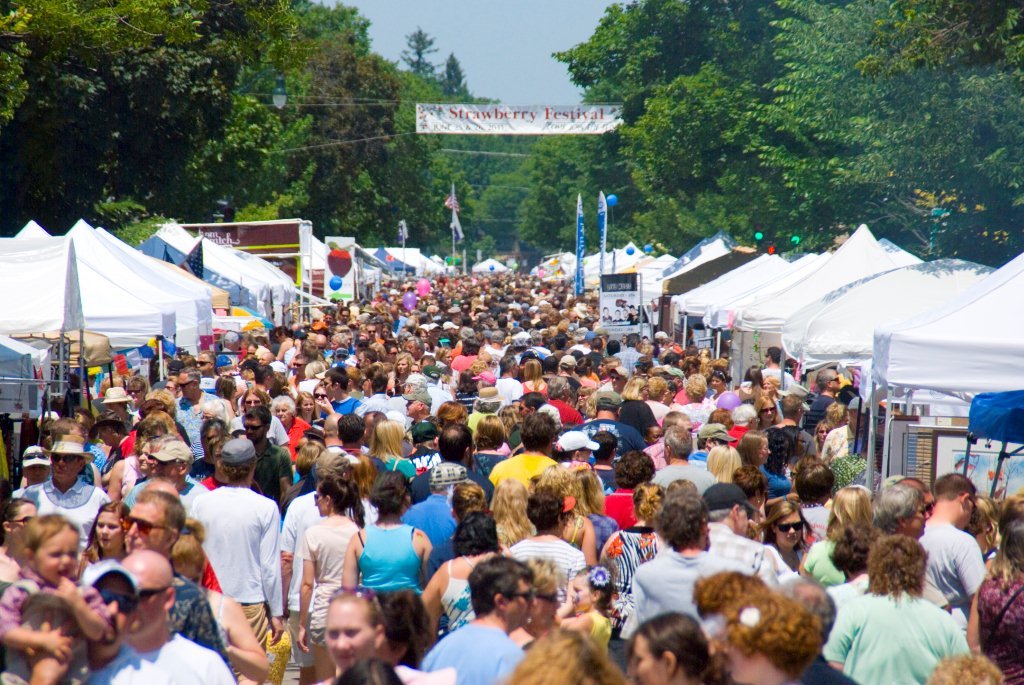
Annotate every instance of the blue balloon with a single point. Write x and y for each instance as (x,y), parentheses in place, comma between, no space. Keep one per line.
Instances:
(335,283)
(648,248)
(612,200)
(630,250)
(491,267)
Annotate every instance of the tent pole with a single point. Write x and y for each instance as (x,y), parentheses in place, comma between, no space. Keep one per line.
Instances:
(160,356)
(869,473)
(718,344)
(886,447)
(84,382)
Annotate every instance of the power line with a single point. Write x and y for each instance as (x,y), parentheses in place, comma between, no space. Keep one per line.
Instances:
(343,142)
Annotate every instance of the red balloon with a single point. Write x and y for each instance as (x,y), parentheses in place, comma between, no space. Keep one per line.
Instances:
(339,262)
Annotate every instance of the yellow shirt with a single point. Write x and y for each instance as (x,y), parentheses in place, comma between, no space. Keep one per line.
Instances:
(601,630)
(522,467)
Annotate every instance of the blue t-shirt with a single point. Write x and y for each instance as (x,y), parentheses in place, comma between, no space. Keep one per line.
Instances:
(346,407)
(434,517)
(778,486)
(479,655)
(629,437)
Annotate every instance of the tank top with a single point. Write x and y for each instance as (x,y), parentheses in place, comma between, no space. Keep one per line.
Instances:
(456,601)
(389,561)
(601,630)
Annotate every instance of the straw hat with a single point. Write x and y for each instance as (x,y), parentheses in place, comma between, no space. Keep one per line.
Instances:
(70,444)
(115,395)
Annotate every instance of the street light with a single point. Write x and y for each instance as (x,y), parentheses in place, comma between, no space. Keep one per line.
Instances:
(279,95)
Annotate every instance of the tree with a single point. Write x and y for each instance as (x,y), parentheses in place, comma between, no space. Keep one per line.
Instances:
(420,47)
(453,81)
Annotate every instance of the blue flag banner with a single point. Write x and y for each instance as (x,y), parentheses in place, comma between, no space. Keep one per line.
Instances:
(602,228)
(581,245)
(194,261)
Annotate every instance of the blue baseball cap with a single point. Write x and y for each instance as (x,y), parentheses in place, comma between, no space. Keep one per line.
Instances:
(223,360)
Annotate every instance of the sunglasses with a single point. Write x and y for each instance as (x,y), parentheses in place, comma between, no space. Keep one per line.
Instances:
(145,527)
(252,429)
(789,527)
(547,598)
(359,591)
(768,410)
(22,520)
(125,603)
(528,595)
(252,403)
(152,592)
(320,396)
(64,458)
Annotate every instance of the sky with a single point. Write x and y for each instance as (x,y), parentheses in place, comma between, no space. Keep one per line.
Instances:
(504,47)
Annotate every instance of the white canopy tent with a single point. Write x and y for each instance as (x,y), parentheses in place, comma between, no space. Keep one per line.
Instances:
(615,262)
(282,285)
(44,273)
(225,262)
(32,230)
(723,313)
(490,266)
(191,305)
(897,253)
(651,270)
(858,257)
(762,269)
(973,343)
(840,326)
(411,256)
(720,246)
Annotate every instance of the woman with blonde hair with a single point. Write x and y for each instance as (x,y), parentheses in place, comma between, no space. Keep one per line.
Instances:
(723,461)
(489,444)
(767,413)
(566,657)
(837,442)
(243,649)
(386,445)
(578,531)
(547,579)
(591,505)
(533,378)
(509,508)
(851,506)
(404,364)
(627,549)
(657,394)
(634,410)
(692,400)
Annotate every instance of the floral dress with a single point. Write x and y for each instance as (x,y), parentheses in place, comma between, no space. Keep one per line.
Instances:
(627,549)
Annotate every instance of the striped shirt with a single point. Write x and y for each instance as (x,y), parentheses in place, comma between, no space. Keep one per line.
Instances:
(566,557)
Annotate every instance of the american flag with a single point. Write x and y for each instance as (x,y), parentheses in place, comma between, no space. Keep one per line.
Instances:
(194,261)
(451,202)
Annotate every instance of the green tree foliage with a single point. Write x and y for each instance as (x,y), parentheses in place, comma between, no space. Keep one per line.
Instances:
(453,80)
(416,56)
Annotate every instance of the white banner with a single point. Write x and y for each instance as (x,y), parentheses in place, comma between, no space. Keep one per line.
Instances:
(527,120)
(620,304)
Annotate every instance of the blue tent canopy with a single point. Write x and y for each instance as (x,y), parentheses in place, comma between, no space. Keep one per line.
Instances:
(392,263)
(697,249)
(158,248)
(998,416)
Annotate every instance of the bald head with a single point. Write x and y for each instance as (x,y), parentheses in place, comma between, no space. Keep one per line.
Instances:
(331,426)
(161,485)
(152,570)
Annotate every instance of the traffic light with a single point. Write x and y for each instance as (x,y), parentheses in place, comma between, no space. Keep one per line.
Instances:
(795,240)
(771,249)
(758,236)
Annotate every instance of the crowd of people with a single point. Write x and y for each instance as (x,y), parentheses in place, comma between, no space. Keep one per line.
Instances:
(488,488)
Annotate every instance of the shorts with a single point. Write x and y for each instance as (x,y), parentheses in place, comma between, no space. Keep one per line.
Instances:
(301,659)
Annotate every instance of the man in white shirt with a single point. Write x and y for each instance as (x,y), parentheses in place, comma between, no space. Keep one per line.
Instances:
(509,387)
(955,565)
(151,635)
(243,540)
(729,516)
(773,367)
(678,443)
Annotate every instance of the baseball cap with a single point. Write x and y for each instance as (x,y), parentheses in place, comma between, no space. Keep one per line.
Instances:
(237,451)
(230,338)
(222,361)
(34,456)
(795,389)
(570,441)
(714,431)
(423,431)
(607,400)
(418,396)
(93,573)
(619,371)
(445,474)
(174,451)
(568,361)
(725,496)
(278,366)
(432,372)
(485,376)
(661,335)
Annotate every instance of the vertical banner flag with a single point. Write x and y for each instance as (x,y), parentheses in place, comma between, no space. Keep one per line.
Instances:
(581,246)
(602,222)
(453,204)
(403,232)
(194,261)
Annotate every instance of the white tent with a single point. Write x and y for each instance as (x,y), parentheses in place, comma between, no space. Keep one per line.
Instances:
(973,343)
(225,262)
(32,230)
(281,284)
(411,256)
(898,254)
(651,270)
(858,257)
(718,247)
(41,279)
(490,266)
(106,306)
(722,314)
(615,262)
(762,269)
(193,311)
(840,326)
